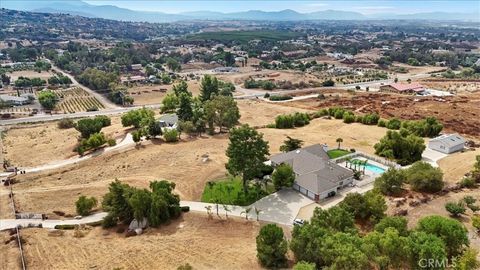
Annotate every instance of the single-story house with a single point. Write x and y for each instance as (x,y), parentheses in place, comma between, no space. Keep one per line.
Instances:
(402,88)
(14,100)
(315,175)
(137,67)
(447,143)
(168,121)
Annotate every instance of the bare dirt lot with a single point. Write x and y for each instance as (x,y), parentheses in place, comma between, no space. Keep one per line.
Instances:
(33,145)
(456,86)
(30,74)
(193,239)
(458,113)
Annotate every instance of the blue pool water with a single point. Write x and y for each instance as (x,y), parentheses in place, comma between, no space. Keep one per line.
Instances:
(374,169)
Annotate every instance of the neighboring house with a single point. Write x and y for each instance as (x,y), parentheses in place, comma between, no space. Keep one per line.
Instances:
(447,143)
(137,67)
(14,100)
(315,175)
(168,121)
(401,88)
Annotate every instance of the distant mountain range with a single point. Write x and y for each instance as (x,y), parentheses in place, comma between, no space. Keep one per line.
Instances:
(78,7)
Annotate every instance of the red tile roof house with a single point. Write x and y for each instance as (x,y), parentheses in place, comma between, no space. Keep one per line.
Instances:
(400,88)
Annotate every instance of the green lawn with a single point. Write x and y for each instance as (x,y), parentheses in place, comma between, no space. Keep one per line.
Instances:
(335,153)
(230,191)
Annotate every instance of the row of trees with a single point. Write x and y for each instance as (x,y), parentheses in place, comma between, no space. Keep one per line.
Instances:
(91,137)
(215,107)
(292,120)
(29,82)
(421,176)
(401,146)
(331,240)
(125,203)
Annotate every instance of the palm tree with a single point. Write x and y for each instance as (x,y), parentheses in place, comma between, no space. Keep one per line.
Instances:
(225,207)
(257,212)
(247,210)
(339,141)
(209,211)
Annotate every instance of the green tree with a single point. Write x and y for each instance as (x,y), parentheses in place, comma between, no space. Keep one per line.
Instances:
(390,182)
(209,87)
(47,99)
(246,152)
(425,247)
(185,111)
(89,126)
(335,218)
(140,202)
(387,249)
(423,177)
(181,88)
(271,246)
(369,206)
(173,64)
(84,205)
(170,102)
(302,265)
(342,251)
(138,118)
(451,231)
(398,223)
(283,176)
(405,148)
(291,144)
(222,111)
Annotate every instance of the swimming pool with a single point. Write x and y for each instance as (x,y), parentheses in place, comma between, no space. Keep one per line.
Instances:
(374,168)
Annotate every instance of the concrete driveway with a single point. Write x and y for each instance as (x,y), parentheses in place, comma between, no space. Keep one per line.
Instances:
(431,156)
(281,207)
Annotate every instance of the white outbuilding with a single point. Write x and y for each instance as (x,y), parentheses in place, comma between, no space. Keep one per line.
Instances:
(447,143)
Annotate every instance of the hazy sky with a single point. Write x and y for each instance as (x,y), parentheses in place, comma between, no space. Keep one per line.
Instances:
(365,7)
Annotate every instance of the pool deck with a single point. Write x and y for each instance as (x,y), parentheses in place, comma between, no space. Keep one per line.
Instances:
(369,176)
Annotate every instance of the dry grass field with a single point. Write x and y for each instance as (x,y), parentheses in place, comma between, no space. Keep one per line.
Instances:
(9,252)
(154,94)
(437,207)
(193,239)
(456,165)
(48,142)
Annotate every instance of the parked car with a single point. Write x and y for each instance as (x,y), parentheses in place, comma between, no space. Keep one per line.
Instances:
(298,221)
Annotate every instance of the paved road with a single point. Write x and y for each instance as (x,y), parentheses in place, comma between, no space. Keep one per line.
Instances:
(281,207)
(105,101)
(52,117)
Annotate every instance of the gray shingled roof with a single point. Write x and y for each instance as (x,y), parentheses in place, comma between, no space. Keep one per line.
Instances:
(313,168)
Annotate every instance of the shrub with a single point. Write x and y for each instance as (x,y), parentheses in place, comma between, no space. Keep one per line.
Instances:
(322,112)
(267,95)
(66,123)
(328,82)
(65,227)
(382,123)
(370,119)
(348,118)
(84,205)
(279,97)
(394,123)
(111,142)
(170,135)
(185,208)
(467,182)
(455,208)
(271,125)
(109,221)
